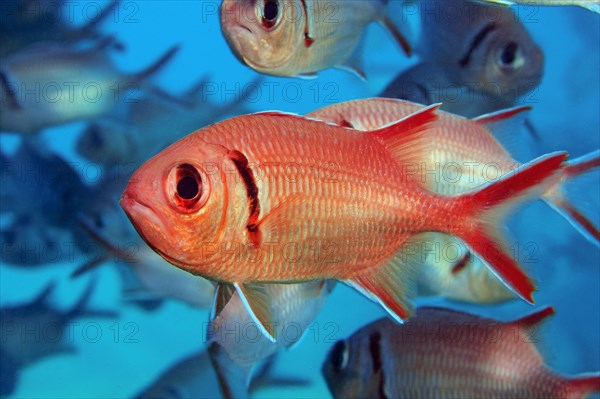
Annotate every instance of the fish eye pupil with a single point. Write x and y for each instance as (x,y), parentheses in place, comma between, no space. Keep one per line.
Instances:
(509,54)
(271,10)
(187,187)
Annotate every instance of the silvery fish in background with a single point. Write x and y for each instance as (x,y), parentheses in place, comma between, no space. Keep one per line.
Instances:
(301,37)
(41,193)
(147,278)
(592,5)
(443,353)
(25,22)
(484,44)
(49,84)
(194,378)
(111,143)
(431,83)
(235,355)
(21,346)
(480,60)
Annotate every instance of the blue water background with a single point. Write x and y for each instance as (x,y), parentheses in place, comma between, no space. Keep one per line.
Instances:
(566,267)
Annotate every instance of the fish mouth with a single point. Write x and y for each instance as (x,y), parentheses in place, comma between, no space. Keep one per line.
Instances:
(143,218)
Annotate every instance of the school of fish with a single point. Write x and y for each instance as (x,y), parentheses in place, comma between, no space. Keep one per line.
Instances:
(245,218)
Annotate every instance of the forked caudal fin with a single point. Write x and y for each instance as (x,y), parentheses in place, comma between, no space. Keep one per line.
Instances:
(558,197)
(489,205)
(392,283)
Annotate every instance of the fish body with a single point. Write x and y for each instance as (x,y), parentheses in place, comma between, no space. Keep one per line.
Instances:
(592,5)
(236,345)
(469,147)
(191,377)
(431,82)
(462,152)
(299,37)
(448,354)
(113,144)
(41,193)
(484,46)
(49,84)
(200,202)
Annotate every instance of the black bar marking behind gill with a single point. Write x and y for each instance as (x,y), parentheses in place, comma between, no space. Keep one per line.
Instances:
(378,372)
(241,164)
(476,42)
(308,41)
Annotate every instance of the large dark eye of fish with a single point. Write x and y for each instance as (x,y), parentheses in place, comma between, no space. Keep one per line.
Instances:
(270,13)
(339,356)
(188,186)
(511,57)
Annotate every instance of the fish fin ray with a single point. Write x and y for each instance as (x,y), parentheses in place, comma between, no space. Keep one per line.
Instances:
(568,203)
(223,294)
(393,285)
(256,300)
(535,319)
(393,30)
(406,138)
(505,126)
(490,204)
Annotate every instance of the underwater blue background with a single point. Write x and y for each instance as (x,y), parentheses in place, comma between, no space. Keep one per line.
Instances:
(115,358)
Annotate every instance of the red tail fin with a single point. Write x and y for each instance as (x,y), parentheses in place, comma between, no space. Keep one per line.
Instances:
(582,385)
(557,197)
(489,205)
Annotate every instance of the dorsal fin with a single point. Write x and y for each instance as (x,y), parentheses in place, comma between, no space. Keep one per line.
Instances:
(507,126)
(405,138)
(534,319)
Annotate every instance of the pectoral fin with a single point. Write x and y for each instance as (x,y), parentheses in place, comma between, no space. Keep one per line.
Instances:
(256,301)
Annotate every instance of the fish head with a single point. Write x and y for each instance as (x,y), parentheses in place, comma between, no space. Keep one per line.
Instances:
(106,143)
(180,200)
(349,370)
(263,34)
(509,63)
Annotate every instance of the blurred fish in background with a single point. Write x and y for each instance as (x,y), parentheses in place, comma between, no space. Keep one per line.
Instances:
(25,22)
(592,5)
(38,329)
(168,69)
(147,278)
(49,68)
(143,133)
(443,353)
(236,344)
(473,58)
(41,194)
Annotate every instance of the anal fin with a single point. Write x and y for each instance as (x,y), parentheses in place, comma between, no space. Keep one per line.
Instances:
(393,285)
(256,300)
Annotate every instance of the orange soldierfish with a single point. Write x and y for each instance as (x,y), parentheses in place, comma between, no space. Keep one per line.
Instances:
(253,200)
(448,354)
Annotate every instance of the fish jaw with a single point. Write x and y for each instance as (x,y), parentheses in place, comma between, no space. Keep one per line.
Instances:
(270,52)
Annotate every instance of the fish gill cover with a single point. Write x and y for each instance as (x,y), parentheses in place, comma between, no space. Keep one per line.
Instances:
(91,90)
